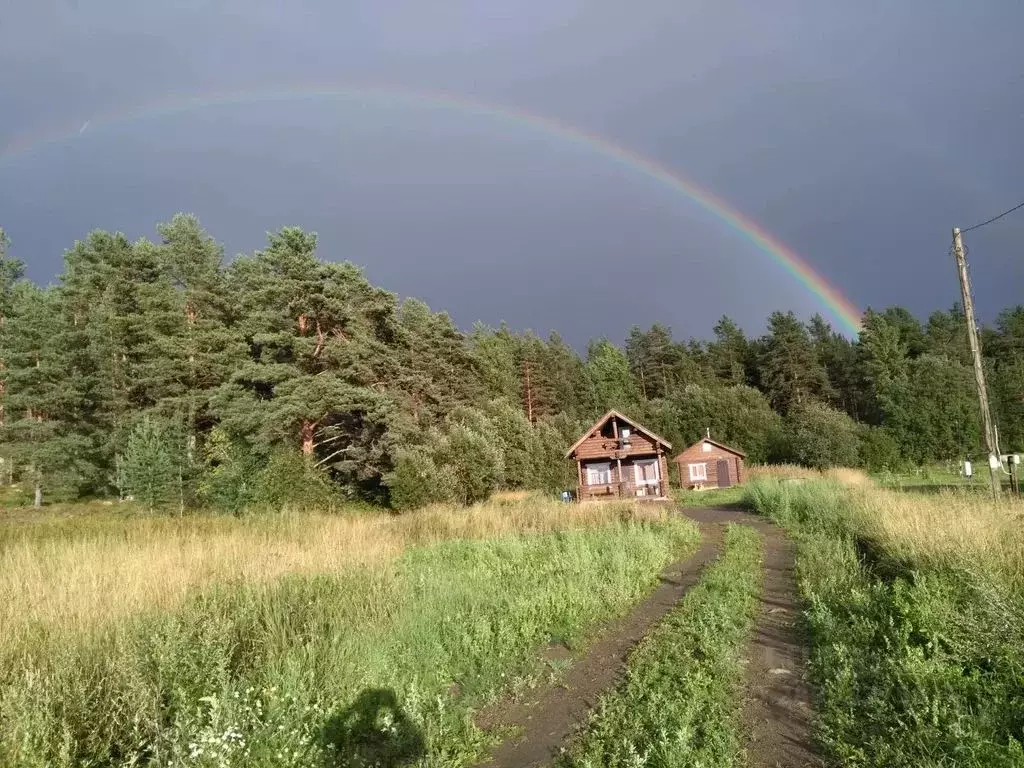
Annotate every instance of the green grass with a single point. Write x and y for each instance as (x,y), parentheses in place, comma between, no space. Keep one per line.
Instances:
(679,704)
(714,497)
(371,665)
(918,660)
(936,479)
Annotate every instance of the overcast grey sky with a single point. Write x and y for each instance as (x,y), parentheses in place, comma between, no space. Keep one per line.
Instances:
(858,133)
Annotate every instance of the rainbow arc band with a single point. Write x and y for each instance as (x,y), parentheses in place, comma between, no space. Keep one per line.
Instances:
(833,300)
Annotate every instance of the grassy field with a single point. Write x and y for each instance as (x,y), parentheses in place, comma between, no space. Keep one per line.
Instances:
(291,640)
(714,497)
(916,609)
(679,704)
(937,479)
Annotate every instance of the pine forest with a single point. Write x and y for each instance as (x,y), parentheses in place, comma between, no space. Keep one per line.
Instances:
(161,371)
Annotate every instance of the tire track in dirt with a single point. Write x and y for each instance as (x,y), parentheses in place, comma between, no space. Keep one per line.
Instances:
(548,716)
(778,712)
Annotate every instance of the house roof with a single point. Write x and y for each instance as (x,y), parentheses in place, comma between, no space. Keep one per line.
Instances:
(724,447)
(600,423)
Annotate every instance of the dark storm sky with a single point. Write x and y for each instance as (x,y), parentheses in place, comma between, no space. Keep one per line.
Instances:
(858,133)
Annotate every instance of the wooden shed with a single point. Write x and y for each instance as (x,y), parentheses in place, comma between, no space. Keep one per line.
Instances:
(709,464)
(619,458)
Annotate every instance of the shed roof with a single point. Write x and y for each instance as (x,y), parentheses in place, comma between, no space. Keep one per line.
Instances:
(724,447)
(600,423)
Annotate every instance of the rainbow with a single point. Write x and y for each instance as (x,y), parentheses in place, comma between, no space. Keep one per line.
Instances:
(837,305)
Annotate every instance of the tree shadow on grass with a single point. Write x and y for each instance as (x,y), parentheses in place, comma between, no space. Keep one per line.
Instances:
(373,731)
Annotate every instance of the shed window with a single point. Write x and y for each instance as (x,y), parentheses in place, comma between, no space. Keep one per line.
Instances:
(599,474)
(698,471)
(706,448)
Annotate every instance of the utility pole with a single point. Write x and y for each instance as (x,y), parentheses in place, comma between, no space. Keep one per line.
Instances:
(994,463)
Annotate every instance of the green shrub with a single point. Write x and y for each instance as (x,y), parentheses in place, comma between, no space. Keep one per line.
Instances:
(291,480)
(228,482)
(879,450)
(417,480)
(476,463)
(819,436)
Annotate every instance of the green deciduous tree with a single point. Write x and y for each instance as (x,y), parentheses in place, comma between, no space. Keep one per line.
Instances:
(609,377)
(476,463)
(819,436)
(417,480)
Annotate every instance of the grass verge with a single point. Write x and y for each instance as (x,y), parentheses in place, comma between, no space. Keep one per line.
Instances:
(709,499)
(379,660)
(916,607)
(680,704)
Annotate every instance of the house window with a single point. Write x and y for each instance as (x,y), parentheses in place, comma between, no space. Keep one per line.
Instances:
(646,472)
(599,474)
(706,448)
(698,472)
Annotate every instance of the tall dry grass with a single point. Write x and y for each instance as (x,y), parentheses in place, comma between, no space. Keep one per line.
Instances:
(955,529)
(71,574)
(844,475)
(952,528)
(782,472)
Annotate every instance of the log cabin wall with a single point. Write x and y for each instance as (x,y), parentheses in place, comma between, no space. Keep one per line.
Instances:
(696,454)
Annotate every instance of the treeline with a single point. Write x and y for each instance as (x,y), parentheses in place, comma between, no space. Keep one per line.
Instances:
(159,371)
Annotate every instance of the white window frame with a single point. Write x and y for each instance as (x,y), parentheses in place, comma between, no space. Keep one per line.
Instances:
(698,472)
(598,469)
(707,447)
(657,472)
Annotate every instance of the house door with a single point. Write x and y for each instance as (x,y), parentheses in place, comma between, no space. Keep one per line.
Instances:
(647,476)
(724,481)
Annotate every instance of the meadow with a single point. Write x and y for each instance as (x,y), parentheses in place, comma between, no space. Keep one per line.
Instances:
(916,617)
(291,639)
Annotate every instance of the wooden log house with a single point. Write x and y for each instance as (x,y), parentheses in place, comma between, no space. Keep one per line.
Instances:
(709,464)
(619,458)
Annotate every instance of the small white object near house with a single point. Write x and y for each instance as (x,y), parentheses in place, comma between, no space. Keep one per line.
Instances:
(968,470)
(993,461)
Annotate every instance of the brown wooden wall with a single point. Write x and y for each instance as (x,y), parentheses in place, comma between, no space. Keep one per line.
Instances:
(696,455)
(597,446)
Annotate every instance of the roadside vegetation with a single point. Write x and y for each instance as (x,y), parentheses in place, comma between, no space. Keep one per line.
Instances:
(297,640)
(680,702)
(916,611)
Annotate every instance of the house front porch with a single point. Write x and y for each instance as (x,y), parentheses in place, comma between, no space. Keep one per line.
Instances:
(636,478)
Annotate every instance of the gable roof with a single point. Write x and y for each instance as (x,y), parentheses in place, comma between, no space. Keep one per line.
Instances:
(600,423)
(724,447)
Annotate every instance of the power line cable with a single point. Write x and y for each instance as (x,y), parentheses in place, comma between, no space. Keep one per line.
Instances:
(994,218)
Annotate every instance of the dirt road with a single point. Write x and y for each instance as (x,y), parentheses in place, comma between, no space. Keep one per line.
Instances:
(778,711)
(777,705)
(548,716)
